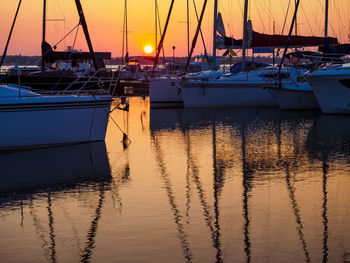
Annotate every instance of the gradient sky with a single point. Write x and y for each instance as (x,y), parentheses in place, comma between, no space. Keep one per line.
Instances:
(105,22)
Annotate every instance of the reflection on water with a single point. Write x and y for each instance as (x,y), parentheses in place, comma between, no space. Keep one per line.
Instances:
(195,185)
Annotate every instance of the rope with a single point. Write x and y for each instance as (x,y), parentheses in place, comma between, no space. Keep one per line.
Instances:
(70,55)
(204,46)
(54,47)
(125,136)
(285,18)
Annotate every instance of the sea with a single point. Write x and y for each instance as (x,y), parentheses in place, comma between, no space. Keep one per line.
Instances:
(187,185)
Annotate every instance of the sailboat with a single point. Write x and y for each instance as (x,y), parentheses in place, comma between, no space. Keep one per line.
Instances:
(300,95)
(331,84)
(245,88)
(31,119)
(165,91)
(72,69)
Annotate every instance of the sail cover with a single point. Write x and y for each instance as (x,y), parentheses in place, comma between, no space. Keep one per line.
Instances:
(220,25)
(258,40)
(336,50)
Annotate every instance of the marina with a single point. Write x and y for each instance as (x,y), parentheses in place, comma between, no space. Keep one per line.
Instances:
(175,131)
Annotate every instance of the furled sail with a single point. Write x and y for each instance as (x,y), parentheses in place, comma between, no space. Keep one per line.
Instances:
(336,50)
(220,26)
(258,40)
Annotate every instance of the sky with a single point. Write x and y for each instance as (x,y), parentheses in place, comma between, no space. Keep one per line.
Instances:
(105,23)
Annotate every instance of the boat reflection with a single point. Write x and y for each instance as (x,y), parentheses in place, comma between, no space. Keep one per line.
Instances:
(54,168)
(82,170)
(271,146)
(329,138)
(271,137)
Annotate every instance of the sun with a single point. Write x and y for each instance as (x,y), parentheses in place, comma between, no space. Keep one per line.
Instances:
(148,49)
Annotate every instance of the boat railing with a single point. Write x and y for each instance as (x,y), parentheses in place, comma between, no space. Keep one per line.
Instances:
(72,92)
(111,85)
(82,91)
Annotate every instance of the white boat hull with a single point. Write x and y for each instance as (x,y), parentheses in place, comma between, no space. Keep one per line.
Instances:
(51,120)
(295,99)
(332,96)
(165,92)
(226,96)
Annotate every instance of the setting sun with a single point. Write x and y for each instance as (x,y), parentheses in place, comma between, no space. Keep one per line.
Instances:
(148,49)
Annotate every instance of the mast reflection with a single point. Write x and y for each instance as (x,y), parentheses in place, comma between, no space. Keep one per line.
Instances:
(201,194)
(271,146)
(51,229)
(213,223)
(172,201)
(247,185)
(218,185)
(296,211)
(325,168)
(90,238)
(61,169)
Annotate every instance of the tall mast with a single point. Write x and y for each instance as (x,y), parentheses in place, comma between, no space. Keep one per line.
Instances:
(296,20)
(287,44)
(10,34)
(123,47)
(188,28)
(160,46)
(44,37)
(126,29)
(326,25)
(155,23)
(214,33)
(245,33)
(194,41)
(86,32)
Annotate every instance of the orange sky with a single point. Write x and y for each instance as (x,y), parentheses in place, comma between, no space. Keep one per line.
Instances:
(105,20)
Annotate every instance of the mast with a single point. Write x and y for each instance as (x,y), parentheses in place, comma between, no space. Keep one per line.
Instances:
(326,26)
(160,46)
(86,32)
(8,40)
(296,20)
(155,23)
(245,33)
(194,41)
(44,37)
(188,28)
(125,45)
(126,30)
(123,35)
(287,44)
(214,33)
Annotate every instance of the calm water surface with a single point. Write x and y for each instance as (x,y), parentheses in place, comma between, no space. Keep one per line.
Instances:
(194,185)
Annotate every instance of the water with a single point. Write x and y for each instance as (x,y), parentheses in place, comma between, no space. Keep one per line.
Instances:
(194,185)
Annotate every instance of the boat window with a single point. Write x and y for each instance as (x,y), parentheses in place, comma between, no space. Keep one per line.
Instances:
(345,82)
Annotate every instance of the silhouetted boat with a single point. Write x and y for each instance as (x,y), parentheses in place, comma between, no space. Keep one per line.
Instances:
(62,69)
